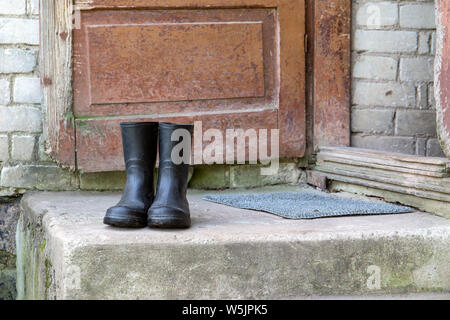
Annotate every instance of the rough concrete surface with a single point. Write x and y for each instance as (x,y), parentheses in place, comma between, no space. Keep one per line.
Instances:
(9,214)
(65,252)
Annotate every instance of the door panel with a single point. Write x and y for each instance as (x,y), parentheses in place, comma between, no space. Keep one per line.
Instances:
(206,61)
(102,134)
(217,61)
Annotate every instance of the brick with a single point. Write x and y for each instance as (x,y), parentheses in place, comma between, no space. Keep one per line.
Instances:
(376,68)
(317,179)
(424,42)
(433,43)
(419,16)
(101,181)
(431,100)
(27,90)
(249,176)
(421,147)
(385,41)
(373,121)
(17,60)
(23,148)
(422,96)
(23,119)
(385,143)
(4,92)
(210,177)
(8,281)
(390,94)
(41,177)
(43,156)
(16,31)
(377,14)
(12,7)
(4,148)
(416,123)
(10,213)
(434,149)
(33,7)
(417,69)
(228,253)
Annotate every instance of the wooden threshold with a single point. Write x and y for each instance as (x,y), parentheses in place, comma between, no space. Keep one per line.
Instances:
(417,177)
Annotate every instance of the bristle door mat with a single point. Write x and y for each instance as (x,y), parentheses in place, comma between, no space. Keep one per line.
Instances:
(304,205)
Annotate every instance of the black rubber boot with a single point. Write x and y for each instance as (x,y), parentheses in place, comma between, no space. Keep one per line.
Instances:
(139,141)
(171,208)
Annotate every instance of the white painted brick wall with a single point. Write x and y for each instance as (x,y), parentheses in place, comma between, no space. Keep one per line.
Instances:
(21,115)
(393,56)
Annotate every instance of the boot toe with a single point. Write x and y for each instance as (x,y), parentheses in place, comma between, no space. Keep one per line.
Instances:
(167,217)
(125,217)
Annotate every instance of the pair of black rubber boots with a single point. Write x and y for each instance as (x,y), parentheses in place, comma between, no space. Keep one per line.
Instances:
(139,207)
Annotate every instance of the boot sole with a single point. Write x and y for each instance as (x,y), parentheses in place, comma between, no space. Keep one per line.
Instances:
(124,222)
(168,223)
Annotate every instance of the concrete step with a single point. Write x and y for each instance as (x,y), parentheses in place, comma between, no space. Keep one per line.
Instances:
(65,252)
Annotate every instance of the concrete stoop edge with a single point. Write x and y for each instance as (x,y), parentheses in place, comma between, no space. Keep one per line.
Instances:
(65,252)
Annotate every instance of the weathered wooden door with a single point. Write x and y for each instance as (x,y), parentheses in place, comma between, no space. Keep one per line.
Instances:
(228,63)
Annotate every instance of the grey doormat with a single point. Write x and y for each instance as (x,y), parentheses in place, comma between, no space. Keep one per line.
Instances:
(304,205)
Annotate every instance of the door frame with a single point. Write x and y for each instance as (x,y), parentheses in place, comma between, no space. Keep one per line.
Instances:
(328,69)
(442,74)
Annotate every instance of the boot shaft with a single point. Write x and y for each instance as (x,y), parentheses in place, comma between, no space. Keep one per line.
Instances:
(172,176)
(179,132)
(139,141)
(171,207)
